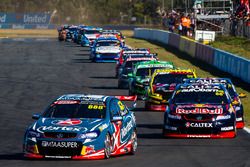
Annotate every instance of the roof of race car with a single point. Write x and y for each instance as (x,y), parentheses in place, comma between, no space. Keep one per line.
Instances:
(135,51)
(154,63)
(140,58)
(83,97)
(92,28)
(200,88)
(106,38)
(177,71)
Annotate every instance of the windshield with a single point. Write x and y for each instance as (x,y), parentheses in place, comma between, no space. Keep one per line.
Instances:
(170,78)
(75,111)
(199,97)
(147,71)
(92,32)
(107,43)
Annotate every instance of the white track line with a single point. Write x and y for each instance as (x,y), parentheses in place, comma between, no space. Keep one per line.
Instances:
(247,129)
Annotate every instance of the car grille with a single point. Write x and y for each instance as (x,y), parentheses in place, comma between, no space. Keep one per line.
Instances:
(60,135)
(198,117)
(52,151)
(198,131)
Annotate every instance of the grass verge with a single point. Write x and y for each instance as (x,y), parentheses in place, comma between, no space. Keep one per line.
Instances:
(27,33)
(183,60)
(236,45)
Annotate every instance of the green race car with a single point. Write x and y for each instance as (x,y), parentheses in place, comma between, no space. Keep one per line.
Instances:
(142,71)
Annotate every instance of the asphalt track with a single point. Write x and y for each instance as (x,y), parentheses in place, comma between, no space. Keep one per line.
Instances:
(34,72)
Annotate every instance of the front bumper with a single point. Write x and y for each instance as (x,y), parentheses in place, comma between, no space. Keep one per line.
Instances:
(107,57)
(182,128)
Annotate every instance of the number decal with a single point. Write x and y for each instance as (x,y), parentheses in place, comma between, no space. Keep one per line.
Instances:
(122,107)
(95,107)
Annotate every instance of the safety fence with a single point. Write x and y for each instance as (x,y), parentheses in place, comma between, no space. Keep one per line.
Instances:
(227,62)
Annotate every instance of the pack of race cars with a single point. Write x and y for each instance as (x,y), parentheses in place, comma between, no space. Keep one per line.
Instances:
(81,126)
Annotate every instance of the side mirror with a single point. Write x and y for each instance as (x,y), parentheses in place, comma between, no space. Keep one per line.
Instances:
(234,102)
(36,116)
(242,95)
(117,118)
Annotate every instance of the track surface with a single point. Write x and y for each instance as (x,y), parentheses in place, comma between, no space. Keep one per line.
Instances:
(32,73)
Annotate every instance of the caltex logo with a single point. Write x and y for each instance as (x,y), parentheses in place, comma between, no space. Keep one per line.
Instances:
(68,122)
(187,124)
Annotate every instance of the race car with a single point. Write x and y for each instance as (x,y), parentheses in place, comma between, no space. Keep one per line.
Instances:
(200,111)
(62,31)
(105,49)
(127,67)
(117,33)
(70,33)
(89,35)
(80,126)
(129,52)
(141,74)
(232,92)
(162,86)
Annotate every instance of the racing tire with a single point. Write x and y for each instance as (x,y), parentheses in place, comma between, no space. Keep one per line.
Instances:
(107,147)
(134,143)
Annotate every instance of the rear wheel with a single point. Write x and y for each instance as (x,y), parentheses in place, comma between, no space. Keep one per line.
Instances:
(134,143)
(107,147)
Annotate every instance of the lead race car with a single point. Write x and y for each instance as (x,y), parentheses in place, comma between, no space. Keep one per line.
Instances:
(200,111)
(79,126)
(232,92)
(106,49)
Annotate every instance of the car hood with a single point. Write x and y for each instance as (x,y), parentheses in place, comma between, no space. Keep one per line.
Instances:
(108,49)
(67,125)
(91,36)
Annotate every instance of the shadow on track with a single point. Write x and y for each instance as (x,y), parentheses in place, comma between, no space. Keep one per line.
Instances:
(14,156)
(103,77)
(150,136)
(81,61)
(105,87)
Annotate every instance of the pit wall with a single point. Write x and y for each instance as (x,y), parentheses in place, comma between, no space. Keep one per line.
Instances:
(225,61)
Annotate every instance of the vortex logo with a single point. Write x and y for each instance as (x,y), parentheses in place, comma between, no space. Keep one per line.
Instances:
(68,122)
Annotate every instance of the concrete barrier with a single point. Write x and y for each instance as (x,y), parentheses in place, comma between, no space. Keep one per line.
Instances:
(188,46)
(174,40)
(235,65)
(204,53)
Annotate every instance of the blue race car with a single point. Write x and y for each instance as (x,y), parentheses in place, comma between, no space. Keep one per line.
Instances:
(89,35)
(106,49)
(232,92)
(79,126)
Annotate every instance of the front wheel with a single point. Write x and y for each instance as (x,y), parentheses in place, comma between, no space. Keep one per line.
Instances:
(107,147)
(134,143)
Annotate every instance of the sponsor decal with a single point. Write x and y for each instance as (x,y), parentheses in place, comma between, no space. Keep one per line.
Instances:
(63,157)
(227,128)
(34,19)
(60,128)
(199,111)
(58,144)
(199,136)
(66,102)
(68,122)
(199,125)
(170,127)
(126,129)
(200,88)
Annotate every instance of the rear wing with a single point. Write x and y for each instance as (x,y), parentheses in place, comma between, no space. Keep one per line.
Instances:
(128,98)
